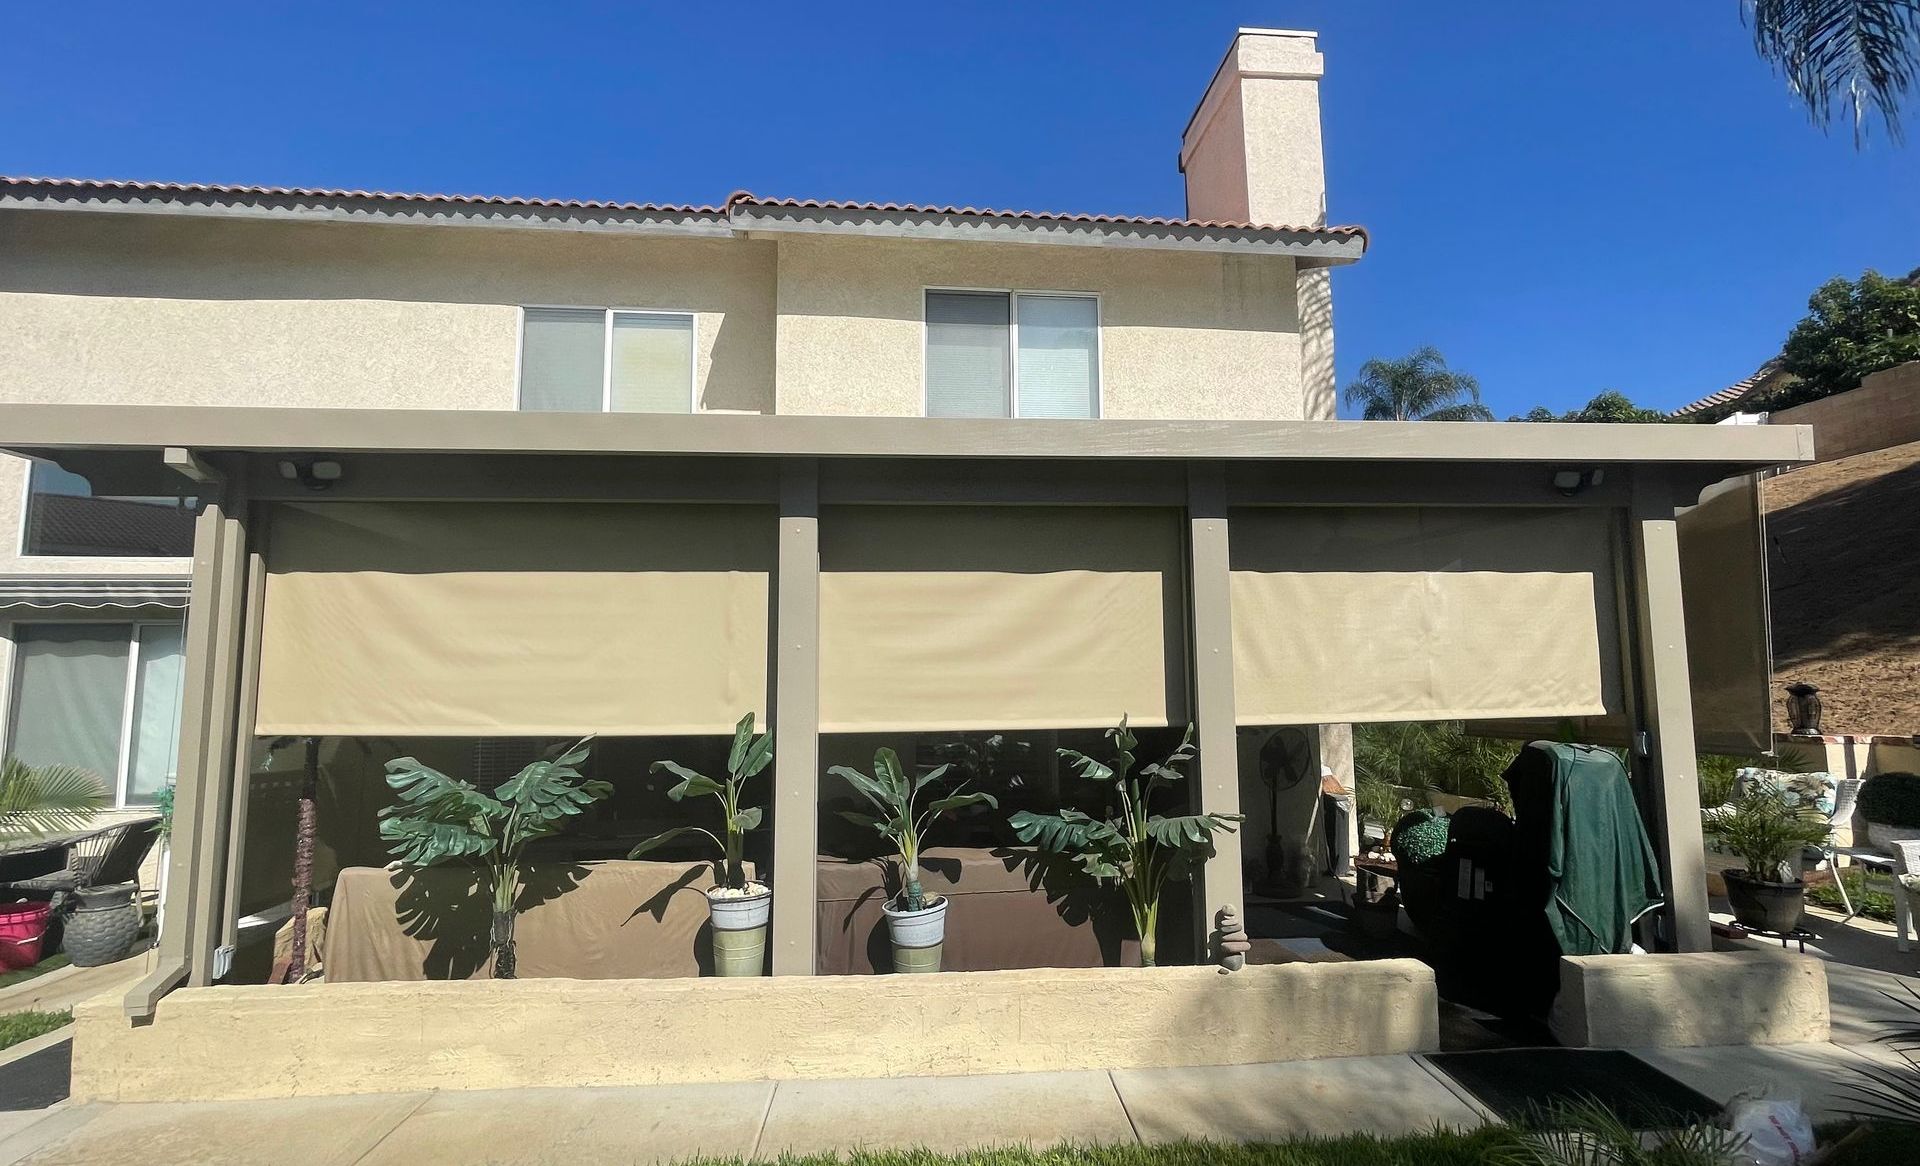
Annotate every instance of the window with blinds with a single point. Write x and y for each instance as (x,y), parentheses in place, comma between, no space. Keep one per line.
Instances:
(1012,354)
(594,360)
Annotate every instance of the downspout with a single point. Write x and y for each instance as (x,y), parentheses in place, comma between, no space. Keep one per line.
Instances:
(199,706)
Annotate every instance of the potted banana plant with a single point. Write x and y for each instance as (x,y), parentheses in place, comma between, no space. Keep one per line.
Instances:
(916,925)
(1133,846)
(739,908)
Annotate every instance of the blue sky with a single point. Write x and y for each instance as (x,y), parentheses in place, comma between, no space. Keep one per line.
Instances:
(1563,198)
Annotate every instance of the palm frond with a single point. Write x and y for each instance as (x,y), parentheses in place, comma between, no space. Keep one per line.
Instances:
(1851,56)
(47,799)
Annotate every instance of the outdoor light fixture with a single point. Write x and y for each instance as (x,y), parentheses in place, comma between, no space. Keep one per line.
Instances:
(1571,482)
(1803,710)
(313,473)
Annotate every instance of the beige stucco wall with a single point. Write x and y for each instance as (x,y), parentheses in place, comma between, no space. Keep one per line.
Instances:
(318,1039)
(1760,997)
(1182,335)
(157,309)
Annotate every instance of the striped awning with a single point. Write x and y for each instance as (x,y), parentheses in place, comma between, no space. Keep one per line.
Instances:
(91,592)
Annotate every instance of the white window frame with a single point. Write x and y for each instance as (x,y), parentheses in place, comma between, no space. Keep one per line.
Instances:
(123,775)
(1013,295)
(606,348)
(20,536)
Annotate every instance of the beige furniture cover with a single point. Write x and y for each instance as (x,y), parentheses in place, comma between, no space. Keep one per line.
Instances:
(610,920)
(998,918)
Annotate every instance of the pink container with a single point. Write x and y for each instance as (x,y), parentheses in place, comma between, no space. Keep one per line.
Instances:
(22,927)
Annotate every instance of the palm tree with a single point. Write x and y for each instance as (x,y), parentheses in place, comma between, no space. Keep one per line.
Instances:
(46,799)
(1419,387)
(1851,55)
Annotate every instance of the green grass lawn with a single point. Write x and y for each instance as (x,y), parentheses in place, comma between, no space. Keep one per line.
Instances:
(40,969)
(18,1026)
(1890,1146)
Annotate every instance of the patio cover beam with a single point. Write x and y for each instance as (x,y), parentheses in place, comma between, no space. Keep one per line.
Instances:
(49,428)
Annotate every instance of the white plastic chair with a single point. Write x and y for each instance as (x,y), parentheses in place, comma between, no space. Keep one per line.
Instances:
(1875,864)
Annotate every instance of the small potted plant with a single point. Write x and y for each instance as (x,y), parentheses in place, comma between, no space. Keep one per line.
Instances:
(916,925)
(443,819)
(1890,804)
(738,908)
(1766,831)
(1135,847)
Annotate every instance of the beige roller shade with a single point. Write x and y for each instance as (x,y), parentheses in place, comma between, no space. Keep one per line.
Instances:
(999,618)
(505,619)
(1361,614)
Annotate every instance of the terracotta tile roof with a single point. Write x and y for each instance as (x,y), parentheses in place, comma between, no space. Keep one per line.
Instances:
(219,190)
(1734,393)
(744,198)
(132,189)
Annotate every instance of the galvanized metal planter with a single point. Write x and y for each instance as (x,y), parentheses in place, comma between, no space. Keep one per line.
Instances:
(917,936)
(740,931)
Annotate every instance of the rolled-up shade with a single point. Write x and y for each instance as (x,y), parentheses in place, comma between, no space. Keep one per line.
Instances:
(1365,614)
(1007,618)
(514,619)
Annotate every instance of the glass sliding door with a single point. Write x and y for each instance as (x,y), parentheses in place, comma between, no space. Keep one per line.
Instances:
(104,697)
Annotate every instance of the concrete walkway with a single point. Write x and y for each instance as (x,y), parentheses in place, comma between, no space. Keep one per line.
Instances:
(1385,1095)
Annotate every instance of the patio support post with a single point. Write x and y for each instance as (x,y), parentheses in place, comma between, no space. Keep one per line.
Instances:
(256,582)
(1665,710)
(195,855)
(796,720)
(1210,600)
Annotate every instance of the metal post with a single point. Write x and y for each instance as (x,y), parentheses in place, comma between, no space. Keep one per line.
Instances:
(1665,710)
(210,872)
(1210,597)
(796,721)
(198,703)
(256,581)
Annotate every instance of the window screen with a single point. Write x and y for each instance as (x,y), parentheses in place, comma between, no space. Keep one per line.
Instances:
(652,364)
(967,366)
(563,360)
(1059,374)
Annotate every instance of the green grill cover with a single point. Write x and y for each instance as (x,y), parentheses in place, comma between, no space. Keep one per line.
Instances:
(1601,864)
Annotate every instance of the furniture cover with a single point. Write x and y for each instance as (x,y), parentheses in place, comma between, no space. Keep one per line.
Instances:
(1011,909)
(604,920)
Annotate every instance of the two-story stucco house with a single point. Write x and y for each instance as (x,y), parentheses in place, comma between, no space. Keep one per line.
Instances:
(460,477)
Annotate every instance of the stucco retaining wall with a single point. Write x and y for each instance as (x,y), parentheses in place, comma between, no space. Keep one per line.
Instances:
(1684,1000)
(318,1039)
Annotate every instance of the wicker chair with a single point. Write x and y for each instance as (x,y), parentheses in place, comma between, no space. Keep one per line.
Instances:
(101,858)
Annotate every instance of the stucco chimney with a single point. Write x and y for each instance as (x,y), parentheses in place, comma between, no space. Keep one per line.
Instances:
(1251,154)
(1251,151)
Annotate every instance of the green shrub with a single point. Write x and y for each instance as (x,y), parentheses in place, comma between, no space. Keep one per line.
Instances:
(1892,799)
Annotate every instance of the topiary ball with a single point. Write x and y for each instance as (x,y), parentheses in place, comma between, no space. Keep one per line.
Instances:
(1420,837)
(1892,799)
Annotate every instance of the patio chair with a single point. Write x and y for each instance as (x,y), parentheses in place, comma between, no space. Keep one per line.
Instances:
(101,858)
(1876,865)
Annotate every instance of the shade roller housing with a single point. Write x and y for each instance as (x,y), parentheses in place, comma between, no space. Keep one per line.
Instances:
(949,617)
(1417,613)
(514,619)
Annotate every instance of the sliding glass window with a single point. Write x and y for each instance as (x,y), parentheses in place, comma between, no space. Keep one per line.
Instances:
(1012,354)
(104,697)
(606,360)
